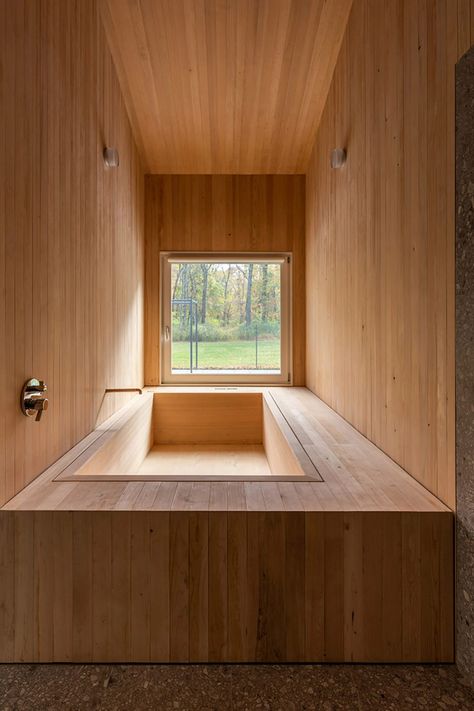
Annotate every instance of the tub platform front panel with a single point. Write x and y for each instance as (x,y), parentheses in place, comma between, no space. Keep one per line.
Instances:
(356,567)
(225,586)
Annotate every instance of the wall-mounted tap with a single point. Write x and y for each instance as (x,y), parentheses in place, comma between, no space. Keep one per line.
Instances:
(33,402)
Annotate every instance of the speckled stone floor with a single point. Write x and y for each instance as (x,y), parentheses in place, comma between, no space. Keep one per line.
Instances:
(240,687)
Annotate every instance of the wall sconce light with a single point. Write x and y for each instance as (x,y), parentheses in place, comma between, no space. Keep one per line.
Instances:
(111,157)
(338,157)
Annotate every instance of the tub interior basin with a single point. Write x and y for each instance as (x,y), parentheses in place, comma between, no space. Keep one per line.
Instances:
(182,435)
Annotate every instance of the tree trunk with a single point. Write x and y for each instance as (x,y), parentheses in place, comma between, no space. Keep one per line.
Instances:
(225,314)
(205,275)
(183,311)
(176,282)
(248,301)
(264,292)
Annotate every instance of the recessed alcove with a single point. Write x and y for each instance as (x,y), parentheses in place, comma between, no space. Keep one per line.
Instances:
(191,435)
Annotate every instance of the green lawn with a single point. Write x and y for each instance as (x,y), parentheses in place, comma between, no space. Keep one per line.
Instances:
(221,355)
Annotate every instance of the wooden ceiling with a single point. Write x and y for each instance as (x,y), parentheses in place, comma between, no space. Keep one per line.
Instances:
(225,86)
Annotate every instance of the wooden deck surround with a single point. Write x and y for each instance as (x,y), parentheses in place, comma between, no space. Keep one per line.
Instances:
(358,567)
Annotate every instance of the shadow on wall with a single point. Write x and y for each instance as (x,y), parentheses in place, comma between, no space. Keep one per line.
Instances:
(123,341)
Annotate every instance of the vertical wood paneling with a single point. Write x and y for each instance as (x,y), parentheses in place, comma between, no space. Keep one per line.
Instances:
(23,575)
(295,643)
(226,586)
(411,595)
(314,585)
(354,632)
(44,544)
(224,214)
(273,576)
(71,243)
(238,603)
(198,587)
(160,586)
(101,585)
(380,234)
(82,599)
(218,600)
(225,86)
(333,573)
(121,605)
(179,587)
(392,583)
(140,588)
(63,575)
(8,552)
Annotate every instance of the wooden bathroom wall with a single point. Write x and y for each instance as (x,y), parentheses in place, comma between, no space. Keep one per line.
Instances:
(71,232)
(380,233)
(224,213)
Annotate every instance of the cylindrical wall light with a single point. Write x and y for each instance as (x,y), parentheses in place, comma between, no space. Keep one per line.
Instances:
(338,157)
(111,157)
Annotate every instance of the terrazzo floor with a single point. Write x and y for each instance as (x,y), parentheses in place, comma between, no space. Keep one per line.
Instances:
(241,687)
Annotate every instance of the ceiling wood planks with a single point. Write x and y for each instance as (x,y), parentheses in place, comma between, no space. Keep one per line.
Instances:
(225,86)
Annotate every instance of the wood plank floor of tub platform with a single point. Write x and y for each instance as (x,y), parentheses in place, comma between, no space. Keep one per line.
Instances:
(357,476)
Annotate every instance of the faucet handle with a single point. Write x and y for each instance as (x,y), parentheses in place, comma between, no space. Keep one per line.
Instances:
(41,404)
(32,401)
(35,406)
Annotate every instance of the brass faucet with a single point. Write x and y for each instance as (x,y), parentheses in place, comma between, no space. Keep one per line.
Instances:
(33,402)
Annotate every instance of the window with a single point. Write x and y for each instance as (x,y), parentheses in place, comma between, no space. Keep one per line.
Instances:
(226,318)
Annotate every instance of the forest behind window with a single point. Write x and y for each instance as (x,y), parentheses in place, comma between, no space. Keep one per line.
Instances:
(226,316)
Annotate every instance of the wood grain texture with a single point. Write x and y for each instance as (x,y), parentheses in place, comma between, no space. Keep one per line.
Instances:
(284,458)
(380,234)
(358,567)
(122,447)
(224,587)
(225,86)
(198,434)
(207,418)
(223,214)
(71,232)
(357,476)
(200,462)
(191,434)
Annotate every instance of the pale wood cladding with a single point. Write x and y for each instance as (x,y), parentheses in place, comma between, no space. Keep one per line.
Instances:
(225,86)
(284,451)
(380,233)
(357,476)
(356,568)
(211,461)
(124,445)
(207,418)
(116,450)
(225,586)
(71,232)
(223,214)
